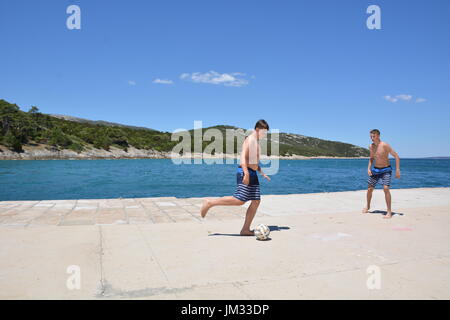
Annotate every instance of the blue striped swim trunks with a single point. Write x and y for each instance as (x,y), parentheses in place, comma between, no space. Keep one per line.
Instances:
(246,192)
(380,175)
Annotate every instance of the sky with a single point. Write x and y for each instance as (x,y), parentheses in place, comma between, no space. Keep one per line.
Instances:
(307,67)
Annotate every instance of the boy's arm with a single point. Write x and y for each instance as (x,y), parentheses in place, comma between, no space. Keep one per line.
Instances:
(397,162)
(370,161)
(262,173)
(244,164)
(260,170)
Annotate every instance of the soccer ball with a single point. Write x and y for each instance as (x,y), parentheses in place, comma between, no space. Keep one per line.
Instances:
(262,232)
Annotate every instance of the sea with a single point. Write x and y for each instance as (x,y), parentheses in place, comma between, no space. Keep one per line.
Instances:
(140,178)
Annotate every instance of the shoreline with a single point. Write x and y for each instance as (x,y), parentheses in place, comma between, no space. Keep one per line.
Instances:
(46,153)
(212,197)
(158,158)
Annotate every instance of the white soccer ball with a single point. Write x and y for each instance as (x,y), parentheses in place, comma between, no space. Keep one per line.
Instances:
(262,232)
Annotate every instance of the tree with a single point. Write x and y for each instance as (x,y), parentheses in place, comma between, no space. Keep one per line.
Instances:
(102,142)
(13,142)
(33,110)
(58,138)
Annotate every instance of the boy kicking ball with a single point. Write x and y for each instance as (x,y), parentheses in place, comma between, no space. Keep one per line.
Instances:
(247,179)
(382,172)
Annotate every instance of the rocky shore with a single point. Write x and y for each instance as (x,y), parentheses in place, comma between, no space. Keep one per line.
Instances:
(44,152)
(41,152)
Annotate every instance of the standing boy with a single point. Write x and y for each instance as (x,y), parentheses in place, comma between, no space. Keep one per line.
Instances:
(382,172)
(247,179)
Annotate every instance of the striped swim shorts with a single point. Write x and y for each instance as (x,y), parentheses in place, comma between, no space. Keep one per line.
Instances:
(380,175)
(246,192)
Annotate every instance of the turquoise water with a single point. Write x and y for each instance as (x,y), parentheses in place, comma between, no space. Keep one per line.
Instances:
(96,179)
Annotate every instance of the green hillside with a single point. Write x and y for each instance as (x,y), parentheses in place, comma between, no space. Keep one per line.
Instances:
(19,128)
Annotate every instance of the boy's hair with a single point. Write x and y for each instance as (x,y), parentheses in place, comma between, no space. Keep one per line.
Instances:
(262,124)
(375,131)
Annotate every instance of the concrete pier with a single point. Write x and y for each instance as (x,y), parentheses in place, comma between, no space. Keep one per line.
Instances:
(321,247)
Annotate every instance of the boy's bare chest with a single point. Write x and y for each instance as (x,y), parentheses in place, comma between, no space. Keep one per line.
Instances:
(380,151)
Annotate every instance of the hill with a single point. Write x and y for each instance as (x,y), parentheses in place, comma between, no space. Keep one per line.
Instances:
(22,131)
(95,122)
(296,144)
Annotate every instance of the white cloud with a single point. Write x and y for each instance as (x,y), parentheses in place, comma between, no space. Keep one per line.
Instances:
(419,100)
(131,82)
(390,99)
(405,97)
(163,81)
(235,79)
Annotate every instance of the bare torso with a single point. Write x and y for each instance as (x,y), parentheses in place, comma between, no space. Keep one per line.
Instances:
(380,153)
(252,156)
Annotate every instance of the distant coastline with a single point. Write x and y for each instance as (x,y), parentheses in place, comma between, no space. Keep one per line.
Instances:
(433,158)
(45,152)
(42,152)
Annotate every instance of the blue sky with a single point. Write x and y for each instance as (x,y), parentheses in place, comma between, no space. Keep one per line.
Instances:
(307,67)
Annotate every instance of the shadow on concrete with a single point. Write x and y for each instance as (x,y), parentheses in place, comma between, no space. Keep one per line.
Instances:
(271,228)
(277,228)
(385,212)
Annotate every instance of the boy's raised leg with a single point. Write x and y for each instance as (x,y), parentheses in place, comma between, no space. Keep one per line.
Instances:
(224,201)
(369,199)
(250,214)
(387,195)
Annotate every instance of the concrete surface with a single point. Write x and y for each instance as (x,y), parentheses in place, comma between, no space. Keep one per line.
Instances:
(321,247)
